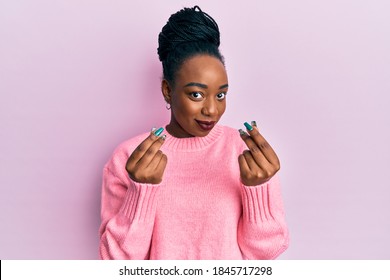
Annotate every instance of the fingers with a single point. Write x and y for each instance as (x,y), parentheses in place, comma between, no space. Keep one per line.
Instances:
(244,167)
(151,155)
(252,174)
(143,147)
(257,153)
(254,166)
(161,165)
(260,148)
(156,168)
(256,158)
(251,162)
(147,162)
(155,160)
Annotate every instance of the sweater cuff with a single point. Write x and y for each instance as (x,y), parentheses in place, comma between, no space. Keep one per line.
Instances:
(140,201)
(256,203)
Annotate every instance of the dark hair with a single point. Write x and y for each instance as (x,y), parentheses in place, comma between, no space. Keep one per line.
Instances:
(187,33)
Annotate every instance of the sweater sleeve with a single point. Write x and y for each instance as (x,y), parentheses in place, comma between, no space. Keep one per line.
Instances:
(262,230)
(127,212)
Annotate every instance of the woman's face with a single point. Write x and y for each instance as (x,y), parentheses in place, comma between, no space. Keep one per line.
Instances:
(198,99)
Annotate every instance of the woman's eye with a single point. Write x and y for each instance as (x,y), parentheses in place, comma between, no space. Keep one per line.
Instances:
(196,95)
(221,95)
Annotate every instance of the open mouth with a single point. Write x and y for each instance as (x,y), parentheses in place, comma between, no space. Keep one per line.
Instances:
(205,125)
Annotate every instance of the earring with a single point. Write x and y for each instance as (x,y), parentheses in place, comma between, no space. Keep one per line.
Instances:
(168,106)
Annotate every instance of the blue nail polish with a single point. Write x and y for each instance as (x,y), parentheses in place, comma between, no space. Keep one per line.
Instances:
(248,126)
(159,131)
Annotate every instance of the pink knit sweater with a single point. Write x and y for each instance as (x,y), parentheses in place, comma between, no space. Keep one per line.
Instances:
(200,210)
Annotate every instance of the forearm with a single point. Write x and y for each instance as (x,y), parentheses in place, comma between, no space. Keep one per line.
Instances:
(262,231)
(127,220)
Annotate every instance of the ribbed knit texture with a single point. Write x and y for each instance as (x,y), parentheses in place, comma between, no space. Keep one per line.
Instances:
(200,210)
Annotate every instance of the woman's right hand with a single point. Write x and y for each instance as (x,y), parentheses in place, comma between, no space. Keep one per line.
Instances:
(147,162)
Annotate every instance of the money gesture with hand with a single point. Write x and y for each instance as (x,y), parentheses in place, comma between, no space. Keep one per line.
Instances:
(147,162)
(259,163)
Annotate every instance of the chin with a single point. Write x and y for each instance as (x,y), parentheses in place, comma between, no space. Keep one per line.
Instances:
(202,134)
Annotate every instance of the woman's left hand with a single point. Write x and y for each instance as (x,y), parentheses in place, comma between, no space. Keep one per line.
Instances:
(259,163)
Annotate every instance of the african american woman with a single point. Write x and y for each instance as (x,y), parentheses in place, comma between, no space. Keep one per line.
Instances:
(199,190)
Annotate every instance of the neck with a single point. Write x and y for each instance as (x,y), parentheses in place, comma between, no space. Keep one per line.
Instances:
(176,130)
(191,143)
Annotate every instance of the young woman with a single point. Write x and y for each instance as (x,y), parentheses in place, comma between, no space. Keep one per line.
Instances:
(201,190)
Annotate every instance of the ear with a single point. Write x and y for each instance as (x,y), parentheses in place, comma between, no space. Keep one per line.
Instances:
(166,91)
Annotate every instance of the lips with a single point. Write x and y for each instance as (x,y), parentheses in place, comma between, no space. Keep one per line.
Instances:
(205,125)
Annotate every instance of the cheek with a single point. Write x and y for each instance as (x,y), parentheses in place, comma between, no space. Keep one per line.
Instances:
(222,108)
(187,107)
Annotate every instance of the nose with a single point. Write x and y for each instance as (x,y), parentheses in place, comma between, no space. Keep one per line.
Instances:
(210,107)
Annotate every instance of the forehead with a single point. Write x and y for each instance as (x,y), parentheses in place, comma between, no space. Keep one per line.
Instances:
(202,69)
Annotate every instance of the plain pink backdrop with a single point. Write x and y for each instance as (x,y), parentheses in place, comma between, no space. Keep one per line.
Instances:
(79,77)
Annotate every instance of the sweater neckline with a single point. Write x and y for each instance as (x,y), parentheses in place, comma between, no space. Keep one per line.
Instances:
(192,143)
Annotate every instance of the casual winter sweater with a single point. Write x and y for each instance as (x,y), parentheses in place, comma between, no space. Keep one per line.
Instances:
(200,210)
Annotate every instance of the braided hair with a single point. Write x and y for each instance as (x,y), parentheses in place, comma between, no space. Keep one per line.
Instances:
(187,33)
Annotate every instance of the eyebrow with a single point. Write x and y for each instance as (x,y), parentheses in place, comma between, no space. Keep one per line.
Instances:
(203,85)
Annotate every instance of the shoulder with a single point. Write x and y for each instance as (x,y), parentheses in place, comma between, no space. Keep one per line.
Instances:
(123,151)
(229,131)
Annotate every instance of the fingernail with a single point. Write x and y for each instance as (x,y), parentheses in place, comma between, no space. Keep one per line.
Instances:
(248,126)
(253,123)
(163,137)
(159,131)
(241,132)
(153,129)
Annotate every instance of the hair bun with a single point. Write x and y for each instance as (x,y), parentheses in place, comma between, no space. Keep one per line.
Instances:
(185,26)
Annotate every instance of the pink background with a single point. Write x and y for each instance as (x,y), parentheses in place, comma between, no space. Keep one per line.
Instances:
(79,77)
